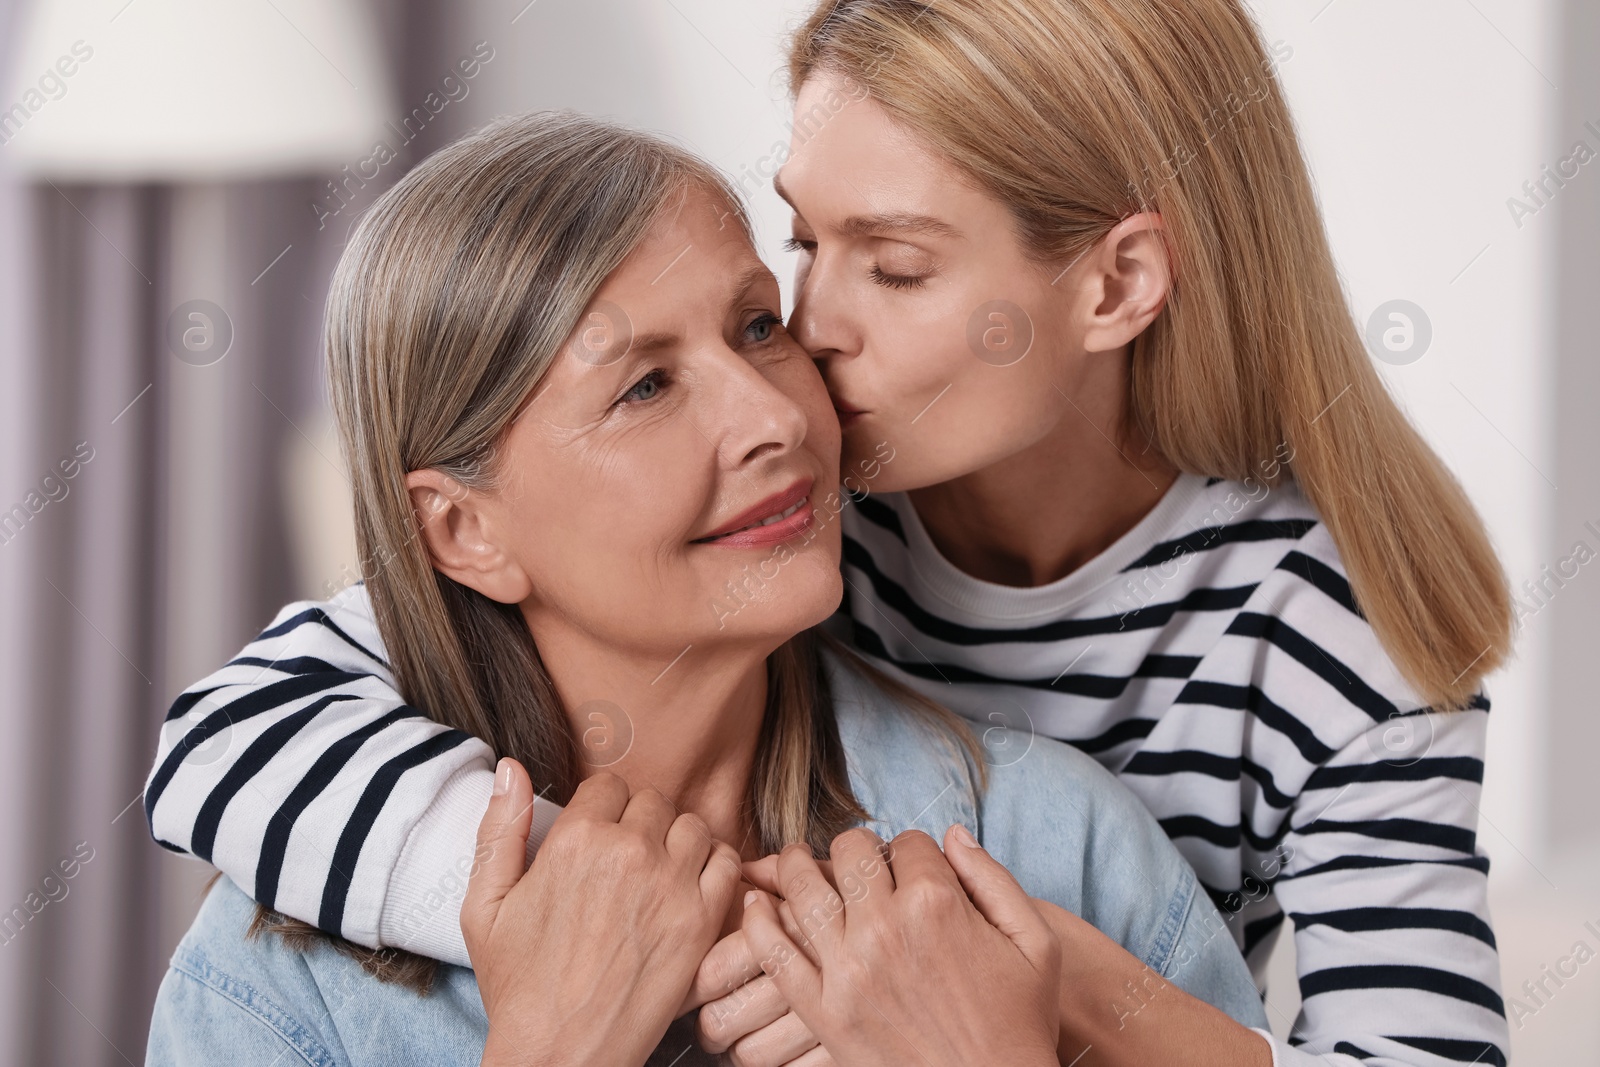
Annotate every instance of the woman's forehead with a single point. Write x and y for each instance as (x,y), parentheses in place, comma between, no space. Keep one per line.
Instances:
(686,253)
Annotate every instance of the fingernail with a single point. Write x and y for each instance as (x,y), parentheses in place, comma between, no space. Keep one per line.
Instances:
(962,834)
(749,898)
(502,776)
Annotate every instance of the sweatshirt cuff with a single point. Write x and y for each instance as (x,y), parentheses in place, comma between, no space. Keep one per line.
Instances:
(1287,1055)
(1272,1043)
(422,904)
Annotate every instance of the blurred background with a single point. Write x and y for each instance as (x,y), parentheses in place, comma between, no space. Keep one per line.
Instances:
(177,178)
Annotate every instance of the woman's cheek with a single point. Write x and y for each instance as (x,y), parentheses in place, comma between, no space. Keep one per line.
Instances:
(799,380)
(928,354)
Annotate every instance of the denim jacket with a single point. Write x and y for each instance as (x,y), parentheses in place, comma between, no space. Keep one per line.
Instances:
(1060,822)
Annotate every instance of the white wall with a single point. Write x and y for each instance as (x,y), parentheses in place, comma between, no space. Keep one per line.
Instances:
(706,72)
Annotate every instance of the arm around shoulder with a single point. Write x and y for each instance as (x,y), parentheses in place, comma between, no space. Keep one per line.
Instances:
(299,770)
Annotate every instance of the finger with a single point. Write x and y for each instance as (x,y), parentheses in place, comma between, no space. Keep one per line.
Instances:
(817,1057)
(915,858)
(796,977)
(689,840)
(719,879)
(792,928)
(602,797)
(763,873)
(775,1044)
(1000,899)
(817,908)
(769,871)
(729,965)
(739,1014)
(861,872)
(650,813)
(501,849)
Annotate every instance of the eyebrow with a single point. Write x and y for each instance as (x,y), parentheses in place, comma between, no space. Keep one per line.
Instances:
(883,222)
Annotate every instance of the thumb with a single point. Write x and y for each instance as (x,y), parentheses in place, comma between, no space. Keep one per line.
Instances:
(498,861)
(1000,899)
(763,874)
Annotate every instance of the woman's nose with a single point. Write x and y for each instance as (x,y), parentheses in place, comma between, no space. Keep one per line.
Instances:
(816,321)
(753,418)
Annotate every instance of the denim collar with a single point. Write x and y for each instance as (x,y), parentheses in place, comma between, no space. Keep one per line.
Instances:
(906,768)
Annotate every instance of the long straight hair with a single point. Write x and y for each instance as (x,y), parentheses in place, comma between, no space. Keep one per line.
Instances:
(1079,113)
(455,294)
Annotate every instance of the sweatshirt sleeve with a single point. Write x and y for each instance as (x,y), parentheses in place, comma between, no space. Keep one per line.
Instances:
(300,772)
(1387,891)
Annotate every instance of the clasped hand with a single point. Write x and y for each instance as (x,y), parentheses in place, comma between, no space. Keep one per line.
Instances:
(890,953)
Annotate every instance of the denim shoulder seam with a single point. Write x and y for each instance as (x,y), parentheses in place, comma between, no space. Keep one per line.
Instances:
(251,1001)
(1160,953)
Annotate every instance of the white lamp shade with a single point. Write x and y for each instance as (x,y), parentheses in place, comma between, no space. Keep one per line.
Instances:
(187,90)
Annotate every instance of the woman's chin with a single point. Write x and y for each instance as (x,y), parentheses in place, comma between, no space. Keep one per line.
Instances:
(776,608)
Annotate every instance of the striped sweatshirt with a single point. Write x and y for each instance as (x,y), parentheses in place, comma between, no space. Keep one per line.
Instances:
(1213,658)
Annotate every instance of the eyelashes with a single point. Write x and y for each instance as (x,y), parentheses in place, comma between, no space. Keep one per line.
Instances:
(894,281)
(878,275)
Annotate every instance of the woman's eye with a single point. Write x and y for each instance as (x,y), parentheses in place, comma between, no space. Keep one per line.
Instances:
(645,388)
(796,244)
(760,328)
(894,281)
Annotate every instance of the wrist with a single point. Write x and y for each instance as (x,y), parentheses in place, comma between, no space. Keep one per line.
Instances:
(1117,1011)
(1132,1018)
(499,1053)
(505,1050)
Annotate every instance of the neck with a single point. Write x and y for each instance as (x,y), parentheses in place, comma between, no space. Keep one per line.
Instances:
(1042,513)
(688,730)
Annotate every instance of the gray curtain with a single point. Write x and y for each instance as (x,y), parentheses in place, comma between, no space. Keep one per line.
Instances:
(167,551)
(90,580)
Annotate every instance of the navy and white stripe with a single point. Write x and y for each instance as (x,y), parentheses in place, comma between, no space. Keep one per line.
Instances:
(1215,660)
(299,771)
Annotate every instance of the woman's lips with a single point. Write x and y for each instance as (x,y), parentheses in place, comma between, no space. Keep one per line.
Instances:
(774,533)
(847,412)
(769,522)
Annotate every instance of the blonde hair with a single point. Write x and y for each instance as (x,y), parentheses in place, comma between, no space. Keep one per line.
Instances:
(1079,113)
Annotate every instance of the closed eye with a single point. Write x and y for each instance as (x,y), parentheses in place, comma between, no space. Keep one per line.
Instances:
(894,281)
(877,273)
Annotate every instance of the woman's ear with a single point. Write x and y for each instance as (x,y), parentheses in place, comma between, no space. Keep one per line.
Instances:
(1126,283)
(458,528)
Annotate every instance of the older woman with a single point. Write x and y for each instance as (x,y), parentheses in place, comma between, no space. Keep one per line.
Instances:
(573,421)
